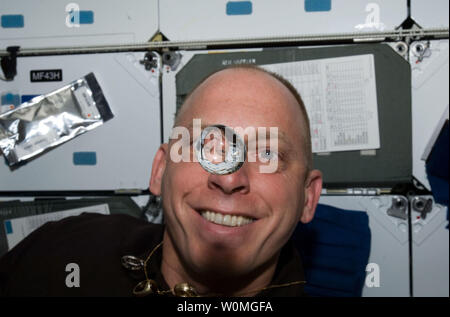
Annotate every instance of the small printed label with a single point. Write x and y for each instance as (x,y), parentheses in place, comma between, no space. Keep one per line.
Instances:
(86,102)
(46,75)
(35,143)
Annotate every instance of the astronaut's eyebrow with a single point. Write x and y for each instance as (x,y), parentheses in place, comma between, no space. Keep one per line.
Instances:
(282,137)
(283,140)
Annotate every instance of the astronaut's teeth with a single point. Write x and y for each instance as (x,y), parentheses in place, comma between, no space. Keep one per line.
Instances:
(226,220)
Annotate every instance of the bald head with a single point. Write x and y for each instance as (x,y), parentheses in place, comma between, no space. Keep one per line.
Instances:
(265,92)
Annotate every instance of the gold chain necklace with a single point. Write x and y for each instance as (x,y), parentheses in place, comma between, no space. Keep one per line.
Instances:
(150,287)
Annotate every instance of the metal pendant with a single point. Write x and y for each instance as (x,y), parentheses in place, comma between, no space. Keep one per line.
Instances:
(132,263)
(184,290)
(145,288)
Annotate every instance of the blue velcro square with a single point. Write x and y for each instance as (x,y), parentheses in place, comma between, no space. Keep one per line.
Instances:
(239,7)
(8,227)
(10,99)
(12,21)
(86,17)
(317,5)
(85,158)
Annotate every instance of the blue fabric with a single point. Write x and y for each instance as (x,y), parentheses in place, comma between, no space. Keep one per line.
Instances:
(335,248)
(437,162)
(437,168)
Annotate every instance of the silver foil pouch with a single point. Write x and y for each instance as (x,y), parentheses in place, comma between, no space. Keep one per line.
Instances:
(52,119)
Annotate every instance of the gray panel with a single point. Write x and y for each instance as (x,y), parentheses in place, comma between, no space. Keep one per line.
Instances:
(124,146)
(430,14)
(392,163)
(430,251)
(389,247)
(430,99)
(206,19)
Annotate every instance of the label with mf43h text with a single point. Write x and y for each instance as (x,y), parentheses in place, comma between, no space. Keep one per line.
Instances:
(46,75)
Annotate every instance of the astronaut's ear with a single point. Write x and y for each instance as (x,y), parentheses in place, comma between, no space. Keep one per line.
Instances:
(158,168)
(313,189)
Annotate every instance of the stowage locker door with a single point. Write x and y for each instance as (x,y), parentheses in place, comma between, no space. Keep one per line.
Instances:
(116,155)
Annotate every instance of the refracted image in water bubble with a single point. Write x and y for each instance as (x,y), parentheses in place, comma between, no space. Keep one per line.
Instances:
(220,150)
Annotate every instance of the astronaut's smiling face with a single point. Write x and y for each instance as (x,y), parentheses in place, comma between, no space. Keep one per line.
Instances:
(235,224)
